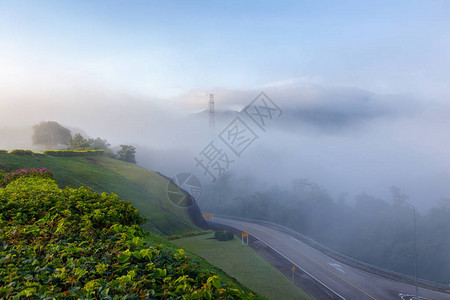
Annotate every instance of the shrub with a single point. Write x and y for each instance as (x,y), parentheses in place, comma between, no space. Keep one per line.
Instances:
(21,152)
(229,235)
(9,177)
(3,151)
(78,244)
(71,153)
(187,234)
(224,235)
(174,237)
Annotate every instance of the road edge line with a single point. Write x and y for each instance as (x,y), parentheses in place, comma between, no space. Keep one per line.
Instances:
(309,274)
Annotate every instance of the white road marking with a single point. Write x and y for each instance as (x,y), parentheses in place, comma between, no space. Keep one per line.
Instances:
(410,297)
(337,267)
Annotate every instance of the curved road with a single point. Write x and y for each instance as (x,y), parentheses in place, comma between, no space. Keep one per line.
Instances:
(345,281)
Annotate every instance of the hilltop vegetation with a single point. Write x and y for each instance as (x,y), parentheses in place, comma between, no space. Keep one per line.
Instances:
(52,135)
(76,243)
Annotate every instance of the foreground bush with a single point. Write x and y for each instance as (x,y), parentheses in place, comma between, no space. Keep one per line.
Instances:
(78,244)
(8,177)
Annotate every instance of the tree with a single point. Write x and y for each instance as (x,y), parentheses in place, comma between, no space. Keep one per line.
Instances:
(127,153)
(78,142)
(99,144)
(50,134)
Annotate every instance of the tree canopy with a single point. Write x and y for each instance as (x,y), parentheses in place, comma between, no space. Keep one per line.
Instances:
(127,153)
(78,142)
(50,134)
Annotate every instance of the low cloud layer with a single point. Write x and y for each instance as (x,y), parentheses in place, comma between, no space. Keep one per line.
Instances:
(347,140)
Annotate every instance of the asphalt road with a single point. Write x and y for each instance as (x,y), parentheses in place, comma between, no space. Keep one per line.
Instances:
(346,281)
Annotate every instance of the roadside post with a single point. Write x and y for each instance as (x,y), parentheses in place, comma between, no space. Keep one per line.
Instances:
(244,234)
(415,244)
(208,216)
(293,272)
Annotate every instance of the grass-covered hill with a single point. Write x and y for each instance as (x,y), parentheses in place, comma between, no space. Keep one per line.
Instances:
(78,244)
(145,189)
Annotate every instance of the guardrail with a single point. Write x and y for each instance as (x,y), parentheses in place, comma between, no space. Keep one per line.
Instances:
(323,287)
(348,259)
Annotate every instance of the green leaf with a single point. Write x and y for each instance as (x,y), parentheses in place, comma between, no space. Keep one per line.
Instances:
(215,281)
(146,253)
(75,289)
(138,241)
(124,257)
(137,254)
(79,273)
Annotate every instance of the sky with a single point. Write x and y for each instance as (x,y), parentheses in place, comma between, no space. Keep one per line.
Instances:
(364,85)
(167,48)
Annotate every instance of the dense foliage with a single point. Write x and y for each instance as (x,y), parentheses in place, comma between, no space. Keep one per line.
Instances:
(67,153)
(21,152)
(3,151)
(127,153)
(34,172)
(78,244)
(78,142)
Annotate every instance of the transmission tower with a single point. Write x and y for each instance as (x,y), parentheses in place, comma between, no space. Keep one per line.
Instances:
(212,122)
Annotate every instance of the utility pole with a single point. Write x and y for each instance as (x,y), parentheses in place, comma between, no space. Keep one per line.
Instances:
(415,244)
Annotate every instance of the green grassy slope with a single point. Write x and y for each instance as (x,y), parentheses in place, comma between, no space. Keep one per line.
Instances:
(145,189)
(244,264)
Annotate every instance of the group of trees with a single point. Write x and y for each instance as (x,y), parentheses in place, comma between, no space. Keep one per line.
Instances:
(376,231)
(52,135)
(78,142)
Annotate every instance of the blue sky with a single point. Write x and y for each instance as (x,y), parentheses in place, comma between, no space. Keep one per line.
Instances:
(167,48)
